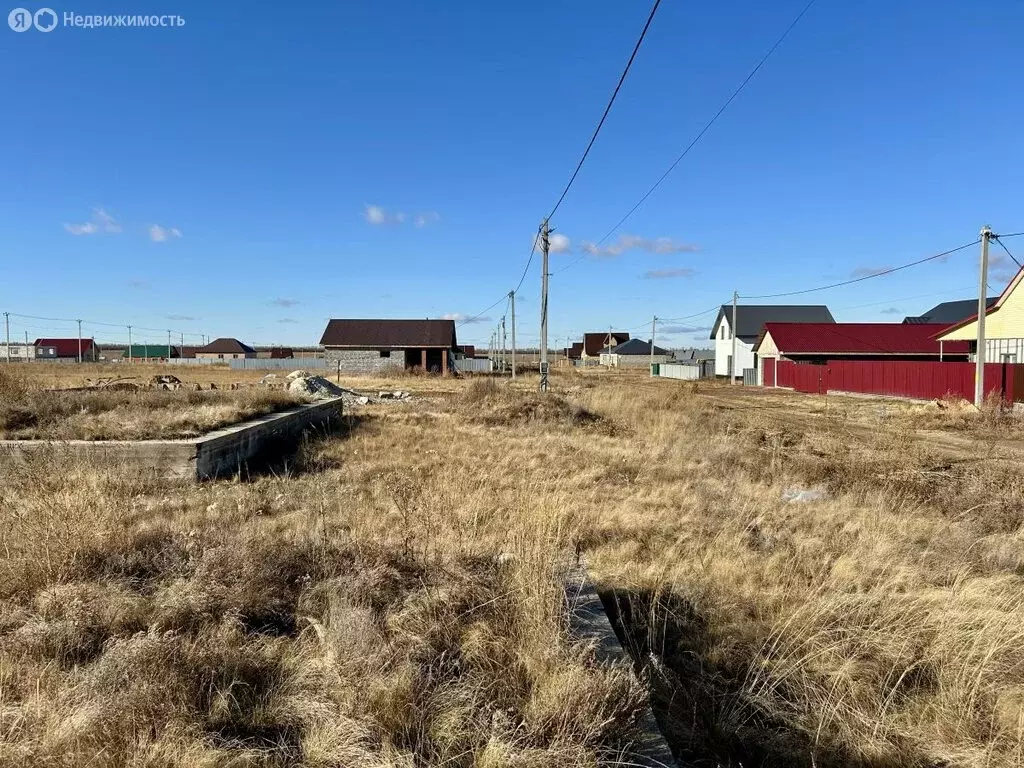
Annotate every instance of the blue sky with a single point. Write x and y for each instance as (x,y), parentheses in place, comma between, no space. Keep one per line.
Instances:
(392,159)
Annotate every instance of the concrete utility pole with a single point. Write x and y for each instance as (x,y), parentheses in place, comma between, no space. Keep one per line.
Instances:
(79,341)
(129,343)
(168,343)
(504,346)
(512,300)
(979,358)
(7,326)
(654,328)
(545,232)
(732,366)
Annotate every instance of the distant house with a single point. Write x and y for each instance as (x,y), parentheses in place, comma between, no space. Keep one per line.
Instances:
(635,353)
(275,353)
(370,346)
(67,350)
(575,352)
(225,349)
(694,355)
(18,352)
(750,319)
(950,312)
(466,350)
(1004,326)
(603,341)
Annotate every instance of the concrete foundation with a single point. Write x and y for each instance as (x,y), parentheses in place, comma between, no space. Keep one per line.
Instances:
(215,454)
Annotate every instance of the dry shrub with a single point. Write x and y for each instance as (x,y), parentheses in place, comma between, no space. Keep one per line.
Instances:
(494,404)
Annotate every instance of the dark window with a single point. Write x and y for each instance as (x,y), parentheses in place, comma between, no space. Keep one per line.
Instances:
(385,353)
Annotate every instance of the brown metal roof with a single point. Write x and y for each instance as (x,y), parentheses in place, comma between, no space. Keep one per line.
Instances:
(225,346)
(389,334)
(593,343)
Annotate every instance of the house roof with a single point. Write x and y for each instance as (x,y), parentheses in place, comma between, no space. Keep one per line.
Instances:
(281,353)
(695,354)
(638,347)
(575,351)
(750,318)
(225,346)
(994,307)
(151,350)
(65,347)
(949,312)
(595,343)
(469,350)
(389,334)
(858,339)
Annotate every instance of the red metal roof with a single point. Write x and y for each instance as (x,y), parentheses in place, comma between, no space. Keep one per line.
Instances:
(860,339)
(66,347)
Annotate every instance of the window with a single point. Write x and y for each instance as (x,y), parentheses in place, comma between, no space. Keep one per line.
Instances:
(220,357)
(385,353)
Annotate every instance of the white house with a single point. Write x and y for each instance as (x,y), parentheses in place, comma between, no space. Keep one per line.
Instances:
(19,352)
(750,320)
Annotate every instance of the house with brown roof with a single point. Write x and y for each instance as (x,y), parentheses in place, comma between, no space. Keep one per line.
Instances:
(225,349)
(67,349)
(372,346)
(602,341)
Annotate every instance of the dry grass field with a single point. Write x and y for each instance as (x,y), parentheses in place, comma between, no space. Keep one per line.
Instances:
(395,599)
(31,412)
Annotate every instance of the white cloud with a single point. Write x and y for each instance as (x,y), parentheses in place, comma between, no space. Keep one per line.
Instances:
(660,245)
(101,221)
(288,321)
(421,220)
(284,302)
(662,274)
(379,216)
(557,243)
(459,317)
(160,234)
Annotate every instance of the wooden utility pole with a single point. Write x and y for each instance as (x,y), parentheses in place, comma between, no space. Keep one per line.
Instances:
(979,358)
(545,232)
(654,328)
(732,366)
(512,301)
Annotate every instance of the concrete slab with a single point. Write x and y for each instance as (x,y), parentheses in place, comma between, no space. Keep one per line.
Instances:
(215,454)
(589,621)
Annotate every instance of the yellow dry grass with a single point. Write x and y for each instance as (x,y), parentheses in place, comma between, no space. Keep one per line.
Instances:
(396,601)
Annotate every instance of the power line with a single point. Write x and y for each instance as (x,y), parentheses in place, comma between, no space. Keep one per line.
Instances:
(1001,245)
(480,314)
(608,108)
(880,273)
(107,325)
(710,122)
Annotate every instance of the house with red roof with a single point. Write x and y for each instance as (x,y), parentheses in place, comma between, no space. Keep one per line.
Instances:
(820,343)
(73,349)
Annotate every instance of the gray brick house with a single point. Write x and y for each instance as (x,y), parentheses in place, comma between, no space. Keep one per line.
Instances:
(372,346)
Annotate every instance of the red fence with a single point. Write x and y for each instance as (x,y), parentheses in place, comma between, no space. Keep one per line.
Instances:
(902,378)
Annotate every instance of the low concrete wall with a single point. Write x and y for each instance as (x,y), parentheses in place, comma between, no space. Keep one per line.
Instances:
(589,621)
(215,454)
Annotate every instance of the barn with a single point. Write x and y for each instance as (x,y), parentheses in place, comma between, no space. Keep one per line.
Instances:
(373,346)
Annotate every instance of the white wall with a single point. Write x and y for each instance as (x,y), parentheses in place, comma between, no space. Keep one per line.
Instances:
(723,348)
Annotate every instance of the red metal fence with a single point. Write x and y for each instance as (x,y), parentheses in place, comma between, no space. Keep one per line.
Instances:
(903,378)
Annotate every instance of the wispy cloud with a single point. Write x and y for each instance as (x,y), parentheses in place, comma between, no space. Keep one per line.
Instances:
(868,271)
(1001,268)
(100,221)
(283,303)
(459,317)
(288,321)
(379,216)
(664,274)
(660,245)
(160,234)
(892,311)
(673,329)
(184,318)
(139,284)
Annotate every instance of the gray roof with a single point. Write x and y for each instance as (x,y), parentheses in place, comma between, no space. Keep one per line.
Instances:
(950,312)
(637,347)
(750,318)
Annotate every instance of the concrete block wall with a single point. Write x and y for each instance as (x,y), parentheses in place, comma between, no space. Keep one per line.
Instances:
(364,360)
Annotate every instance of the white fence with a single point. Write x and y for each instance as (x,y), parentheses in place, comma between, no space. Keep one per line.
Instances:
(677,371)
(279,364)
(473,365)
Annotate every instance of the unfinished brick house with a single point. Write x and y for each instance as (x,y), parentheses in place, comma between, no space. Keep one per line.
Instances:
(372,346)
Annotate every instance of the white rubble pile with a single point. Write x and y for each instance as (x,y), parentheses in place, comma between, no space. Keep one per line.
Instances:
(396,395)
(314,387)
